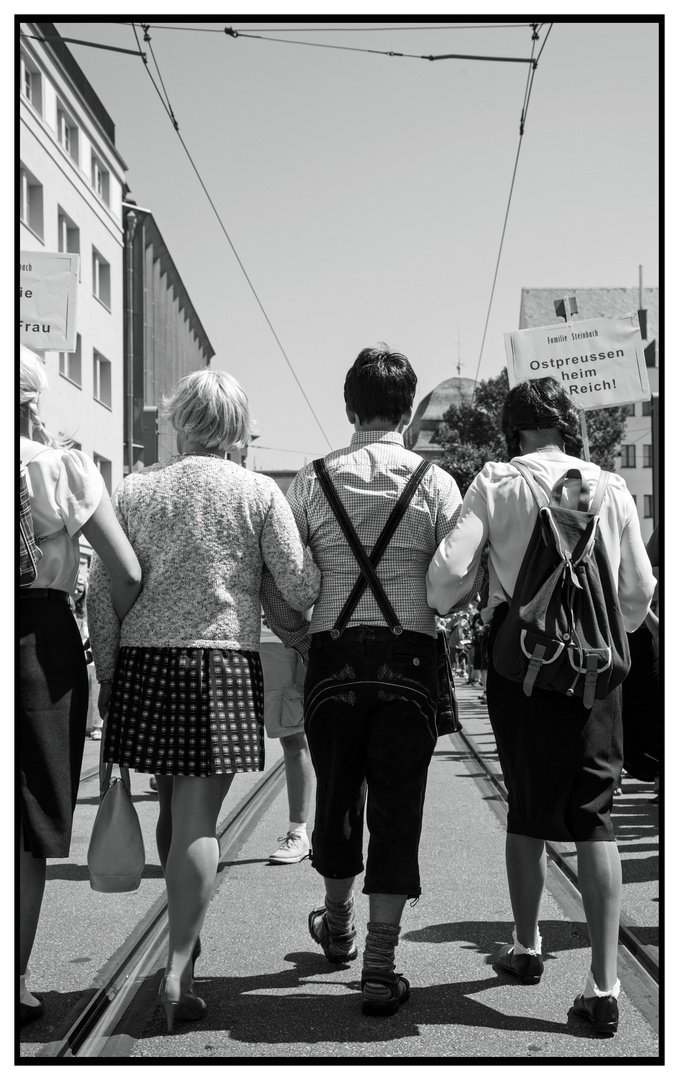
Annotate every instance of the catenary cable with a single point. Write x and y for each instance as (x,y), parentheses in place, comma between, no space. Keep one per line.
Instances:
(168,109)
(522,124)
(334,29)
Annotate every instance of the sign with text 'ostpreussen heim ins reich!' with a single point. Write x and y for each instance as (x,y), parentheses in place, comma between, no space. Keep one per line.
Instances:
(599,362)
(48,300)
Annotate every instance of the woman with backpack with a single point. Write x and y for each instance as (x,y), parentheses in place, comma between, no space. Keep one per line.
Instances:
(66,497)
(560,752)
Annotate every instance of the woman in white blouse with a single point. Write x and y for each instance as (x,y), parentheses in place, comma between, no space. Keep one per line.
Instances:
(561,761)
(67,497)
(181,676)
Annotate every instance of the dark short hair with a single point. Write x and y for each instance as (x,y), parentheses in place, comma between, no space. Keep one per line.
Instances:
(380,385)
(536,405)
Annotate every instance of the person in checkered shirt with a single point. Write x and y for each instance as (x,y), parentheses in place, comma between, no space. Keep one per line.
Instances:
(370,694)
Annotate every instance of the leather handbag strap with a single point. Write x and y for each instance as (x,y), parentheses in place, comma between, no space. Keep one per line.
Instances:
(367,564)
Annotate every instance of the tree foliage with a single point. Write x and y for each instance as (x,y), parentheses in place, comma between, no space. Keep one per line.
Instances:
(471,434)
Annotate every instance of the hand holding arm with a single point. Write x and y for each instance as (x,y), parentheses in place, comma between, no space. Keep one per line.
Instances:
(104,532)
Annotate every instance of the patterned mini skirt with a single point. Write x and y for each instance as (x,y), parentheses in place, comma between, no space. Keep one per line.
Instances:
(186,711)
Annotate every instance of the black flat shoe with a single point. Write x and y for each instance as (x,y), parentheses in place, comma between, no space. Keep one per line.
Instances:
(527,968)
(30,1012)
(602,1012)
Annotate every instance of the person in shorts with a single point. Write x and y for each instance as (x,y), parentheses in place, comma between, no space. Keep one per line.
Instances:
(283,672)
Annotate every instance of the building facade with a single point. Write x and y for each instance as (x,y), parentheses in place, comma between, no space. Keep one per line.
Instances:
(71,179)
(137,330)
(164,338)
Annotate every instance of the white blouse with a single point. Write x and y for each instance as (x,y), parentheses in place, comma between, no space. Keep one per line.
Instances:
(498,507)
(65,488)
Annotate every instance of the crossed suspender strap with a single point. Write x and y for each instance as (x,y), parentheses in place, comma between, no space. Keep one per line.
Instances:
(367,563)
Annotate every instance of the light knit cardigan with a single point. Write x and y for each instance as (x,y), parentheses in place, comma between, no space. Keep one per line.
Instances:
(202,528)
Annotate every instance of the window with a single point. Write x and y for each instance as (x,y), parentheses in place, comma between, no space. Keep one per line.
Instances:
(70,363)
(629,410)
(104,466)
(67,133)
(31,82)
(101,278)
(31,202)
(648,506)
(647,408)
(69,233)
(648,456)
(629,456)
(633,497)
(102,379)
(100,179)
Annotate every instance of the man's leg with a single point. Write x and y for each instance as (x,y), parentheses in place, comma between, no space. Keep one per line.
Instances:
(336,738)
(299,779)
(298,775)
(402,738)
(333,926)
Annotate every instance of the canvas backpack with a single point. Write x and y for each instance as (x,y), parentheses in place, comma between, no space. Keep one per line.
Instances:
(564,630)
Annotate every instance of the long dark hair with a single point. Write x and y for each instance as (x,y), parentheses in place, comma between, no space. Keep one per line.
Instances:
(540,404)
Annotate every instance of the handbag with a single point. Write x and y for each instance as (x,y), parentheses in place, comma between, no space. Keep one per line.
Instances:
(115,856)
(447,712)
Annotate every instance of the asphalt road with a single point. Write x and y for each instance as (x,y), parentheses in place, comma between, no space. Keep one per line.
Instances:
(271,994)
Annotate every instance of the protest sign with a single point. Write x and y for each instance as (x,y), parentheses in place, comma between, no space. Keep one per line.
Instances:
(48,297)
(599,362)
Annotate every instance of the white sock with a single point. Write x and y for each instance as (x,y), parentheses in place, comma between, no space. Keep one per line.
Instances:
(298,827)
(521,950)
(592,990)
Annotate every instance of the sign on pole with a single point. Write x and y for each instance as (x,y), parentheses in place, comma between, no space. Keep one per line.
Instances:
(48,300)
(599,362)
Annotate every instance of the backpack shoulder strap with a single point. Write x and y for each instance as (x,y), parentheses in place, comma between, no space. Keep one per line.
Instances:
(600,492)
(539,496)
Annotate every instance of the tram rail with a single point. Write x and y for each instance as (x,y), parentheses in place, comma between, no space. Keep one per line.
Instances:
(125,975)
(128,974)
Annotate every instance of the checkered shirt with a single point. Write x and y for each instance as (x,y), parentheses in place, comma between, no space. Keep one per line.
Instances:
(369,476)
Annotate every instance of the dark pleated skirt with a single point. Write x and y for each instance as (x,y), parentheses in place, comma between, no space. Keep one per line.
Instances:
(561,762)
(52,720)
(186,711)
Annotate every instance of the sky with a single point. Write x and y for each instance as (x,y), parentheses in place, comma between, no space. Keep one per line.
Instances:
(365,194)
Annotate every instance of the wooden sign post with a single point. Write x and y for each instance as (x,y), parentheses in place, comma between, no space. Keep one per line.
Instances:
(565,307)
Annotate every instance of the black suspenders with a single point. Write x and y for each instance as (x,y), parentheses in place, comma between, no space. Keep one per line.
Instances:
(368,564)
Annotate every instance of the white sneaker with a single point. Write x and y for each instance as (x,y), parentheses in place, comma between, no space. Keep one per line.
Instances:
(294,847)
(96,734)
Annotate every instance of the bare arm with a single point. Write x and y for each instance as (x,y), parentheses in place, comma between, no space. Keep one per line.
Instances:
(104,533)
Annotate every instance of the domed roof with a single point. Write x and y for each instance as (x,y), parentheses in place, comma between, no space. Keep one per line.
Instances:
(419,434)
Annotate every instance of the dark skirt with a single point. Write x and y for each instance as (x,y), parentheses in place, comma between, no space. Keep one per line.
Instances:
(186,711)
(561,762)
(52,720)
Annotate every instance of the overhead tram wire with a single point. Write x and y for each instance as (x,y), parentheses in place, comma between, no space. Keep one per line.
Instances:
(230,32)
(522,124)
(168,108)
(334,29)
